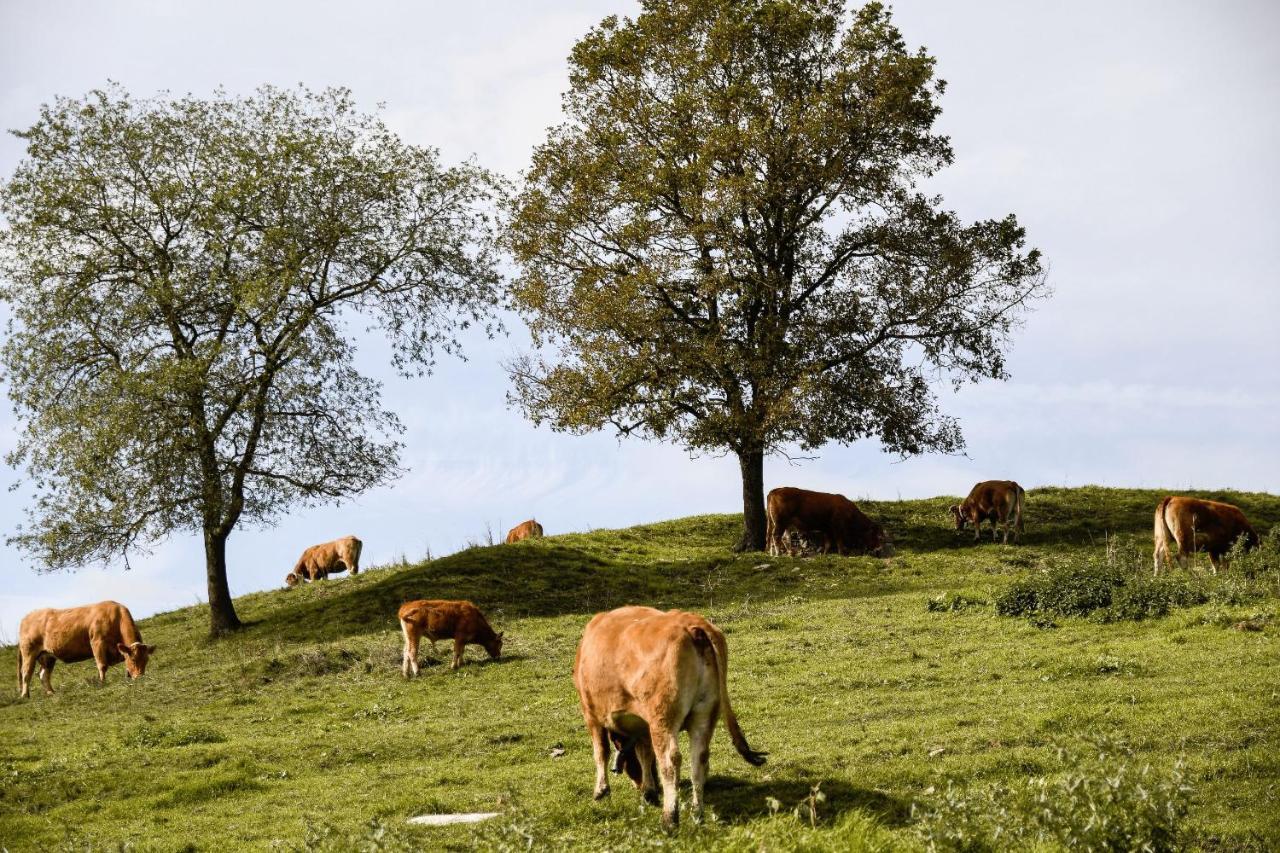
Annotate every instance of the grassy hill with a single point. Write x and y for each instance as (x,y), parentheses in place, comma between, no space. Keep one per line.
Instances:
(890,720)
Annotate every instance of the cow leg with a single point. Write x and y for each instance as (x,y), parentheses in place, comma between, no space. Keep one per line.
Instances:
(770,530)
(100,654)
(46,672)
(600,751)
(27,667)
(410,665)
(700,730)
(459,646)
(667,750)
(648,783)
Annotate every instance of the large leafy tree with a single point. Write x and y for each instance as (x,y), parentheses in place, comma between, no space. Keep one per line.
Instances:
(726,242)
(182,273)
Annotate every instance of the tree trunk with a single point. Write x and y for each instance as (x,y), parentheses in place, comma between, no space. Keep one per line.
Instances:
(753,517)
(222,613)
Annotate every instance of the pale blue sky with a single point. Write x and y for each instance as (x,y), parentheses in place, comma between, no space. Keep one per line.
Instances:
(1137,142)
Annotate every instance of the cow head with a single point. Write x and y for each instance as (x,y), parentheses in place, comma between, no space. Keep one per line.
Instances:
(494,646)
(292,579)
(136,656)
(626,760)
(958,516)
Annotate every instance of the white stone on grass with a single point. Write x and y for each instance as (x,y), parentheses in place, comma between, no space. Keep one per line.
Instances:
(448,819)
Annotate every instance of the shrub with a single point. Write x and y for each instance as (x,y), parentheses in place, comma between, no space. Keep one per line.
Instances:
(1020,598)
(1111,592)
(1108,801)
(1152,598)
(1078,590)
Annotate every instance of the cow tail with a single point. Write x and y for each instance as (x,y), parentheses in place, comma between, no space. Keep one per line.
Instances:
(1019,503)
(719,658)
(356,547)
(1162,534)
(19,667)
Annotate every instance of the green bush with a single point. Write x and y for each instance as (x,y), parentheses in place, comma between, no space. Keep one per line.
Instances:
(1110,800)
(1020,598)
(1110,592)
(1078,590)
(1152,598)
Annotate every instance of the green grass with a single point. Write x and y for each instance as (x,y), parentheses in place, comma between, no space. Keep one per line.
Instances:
(300,733)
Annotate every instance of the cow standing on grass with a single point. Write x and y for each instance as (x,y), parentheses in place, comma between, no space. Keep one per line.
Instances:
(833,522)
(643,676)
(104,631)
(1192,524)
(319,561)
(998,501)
(435,619)
(530,529)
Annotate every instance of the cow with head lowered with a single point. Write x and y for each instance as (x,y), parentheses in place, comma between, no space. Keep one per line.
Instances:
(530,529)
(1188,525)
(319,561)
(832,522)
(998,501)
(643,676)
(104,631)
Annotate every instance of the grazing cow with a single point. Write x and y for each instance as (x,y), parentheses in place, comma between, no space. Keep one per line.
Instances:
(997,501)
(643,676)
(1199,525)
(460,621)
(831,521)
(104,631)
(524,530)
(319,561)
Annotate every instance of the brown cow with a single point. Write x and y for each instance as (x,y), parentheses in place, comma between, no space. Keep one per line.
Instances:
(830,520)
(319,561)
(524,530)
(1199,525)
(643,676)
(997,501)
(460,621)
(104,631)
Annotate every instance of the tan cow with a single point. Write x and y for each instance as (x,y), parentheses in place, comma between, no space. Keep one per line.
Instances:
(435,619)
(1192,524)
(998,501)
(524,530)
(319,561)
(833,522)
(643,676)
(104,631)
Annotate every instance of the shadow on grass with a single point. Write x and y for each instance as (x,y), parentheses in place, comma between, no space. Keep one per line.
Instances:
(737,800)
(551,579)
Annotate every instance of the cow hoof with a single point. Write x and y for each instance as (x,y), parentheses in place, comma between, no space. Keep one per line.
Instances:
(601,794)
(671,821)
(653,797)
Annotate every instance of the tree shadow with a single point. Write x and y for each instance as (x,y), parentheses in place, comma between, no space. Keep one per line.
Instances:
(553,579)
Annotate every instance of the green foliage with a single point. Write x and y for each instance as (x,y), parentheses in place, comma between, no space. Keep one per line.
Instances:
(1108,800)
(835,667)
(1117,585)
(950,602)
(724,243)
(181,273)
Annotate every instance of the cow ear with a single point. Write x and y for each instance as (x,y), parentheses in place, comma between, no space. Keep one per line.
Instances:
(124,650)
(151,650)
(501,634)
(954,509)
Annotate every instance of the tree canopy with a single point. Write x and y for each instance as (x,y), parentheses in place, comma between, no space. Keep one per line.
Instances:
(183,275)
(727,243)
